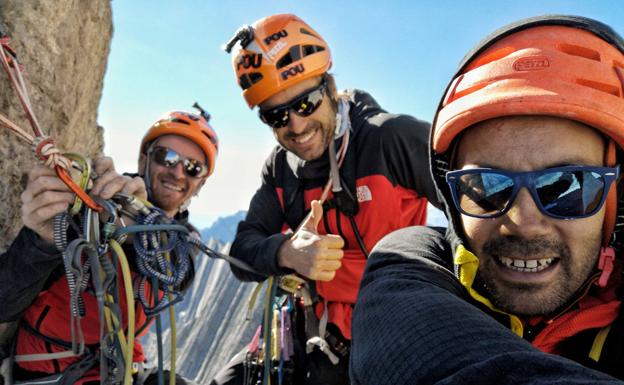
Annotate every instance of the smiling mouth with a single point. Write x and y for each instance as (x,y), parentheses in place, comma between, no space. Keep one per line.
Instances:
(527,265)
(171,186)
(304,139)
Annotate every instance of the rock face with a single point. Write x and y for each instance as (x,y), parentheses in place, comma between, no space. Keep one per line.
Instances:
(64,47)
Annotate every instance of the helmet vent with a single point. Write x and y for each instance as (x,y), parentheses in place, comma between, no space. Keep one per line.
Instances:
(467,91)
(603,87)
(493,56)
(212,140)
(248,80)
(178,120)
(306,32)
(311,49)
(292,56)
(619,71)
(577,50)
(296,53)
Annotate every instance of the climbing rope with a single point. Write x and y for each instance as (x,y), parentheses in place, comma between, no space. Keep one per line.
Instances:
(89,237)
(42,145)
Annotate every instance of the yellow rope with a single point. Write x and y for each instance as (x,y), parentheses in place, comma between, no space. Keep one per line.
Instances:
(127,279)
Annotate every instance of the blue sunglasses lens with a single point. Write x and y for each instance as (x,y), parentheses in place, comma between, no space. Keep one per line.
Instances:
(570,193)
(484,193)
(565,194)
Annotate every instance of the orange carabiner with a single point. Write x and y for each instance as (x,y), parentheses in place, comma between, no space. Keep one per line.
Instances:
(64,176)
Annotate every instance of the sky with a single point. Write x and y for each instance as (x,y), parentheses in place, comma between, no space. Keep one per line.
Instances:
(165,55)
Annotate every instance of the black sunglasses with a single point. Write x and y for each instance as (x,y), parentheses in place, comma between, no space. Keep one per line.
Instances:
(169,158)
(569,192)
(303,105)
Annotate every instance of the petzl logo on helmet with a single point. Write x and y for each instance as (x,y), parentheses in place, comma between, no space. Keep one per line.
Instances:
(275,50)
(250,60)
(531,63)
(275,36)
(293,71)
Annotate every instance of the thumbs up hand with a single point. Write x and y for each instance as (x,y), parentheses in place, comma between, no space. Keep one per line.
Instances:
(314,256)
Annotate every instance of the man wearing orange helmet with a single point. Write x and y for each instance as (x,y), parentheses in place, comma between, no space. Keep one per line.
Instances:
(177,155)
(526,152)
(368,167)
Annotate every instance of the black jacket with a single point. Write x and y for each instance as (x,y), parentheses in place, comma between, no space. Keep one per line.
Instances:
(414,324)
(386,172)
(393,146)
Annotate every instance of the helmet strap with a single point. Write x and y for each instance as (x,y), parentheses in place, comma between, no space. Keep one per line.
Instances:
(343,121)
(607,253)
(605,265)
(185,205)
(611,202)
(146,173)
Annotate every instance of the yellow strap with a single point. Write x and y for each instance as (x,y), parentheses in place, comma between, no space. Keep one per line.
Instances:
(267,328)
(252,300)
(275,334)
(468,265)
(601,337)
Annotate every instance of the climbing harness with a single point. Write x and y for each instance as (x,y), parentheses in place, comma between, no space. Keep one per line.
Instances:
(89,236)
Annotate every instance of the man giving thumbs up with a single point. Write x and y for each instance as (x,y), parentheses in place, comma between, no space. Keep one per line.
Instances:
(377,163)
(310,254)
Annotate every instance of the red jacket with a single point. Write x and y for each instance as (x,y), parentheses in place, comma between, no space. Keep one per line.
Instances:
(385,168)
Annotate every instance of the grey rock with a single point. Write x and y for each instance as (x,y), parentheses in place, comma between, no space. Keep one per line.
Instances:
(63,45)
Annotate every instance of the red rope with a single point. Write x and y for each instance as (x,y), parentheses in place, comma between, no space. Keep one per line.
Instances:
(43,146)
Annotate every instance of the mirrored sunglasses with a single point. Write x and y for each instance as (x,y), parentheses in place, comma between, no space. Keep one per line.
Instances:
(169,158)
(569,192)
(303,105)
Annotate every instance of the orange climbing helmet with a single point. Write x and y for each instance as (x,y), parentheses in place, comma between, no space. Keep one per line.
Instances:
(563,66)
(567,67)
(193,127)
(274,53)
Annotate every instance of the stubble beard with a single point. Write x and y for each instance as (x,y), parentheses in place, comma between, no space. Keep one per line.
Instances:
(528,298)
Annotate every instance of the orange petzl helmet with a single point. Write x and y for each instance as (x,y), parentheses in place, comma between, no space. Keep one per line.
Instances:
(193,127)
(563,66)
(274,53)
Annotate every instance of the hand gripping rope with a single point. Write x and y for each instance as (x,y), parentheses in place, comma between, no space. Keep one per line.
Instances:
(42,145)
(96,264)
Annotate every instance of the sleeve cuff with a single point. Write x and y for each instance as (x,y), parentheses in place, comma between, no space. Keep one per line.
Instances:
(275,241)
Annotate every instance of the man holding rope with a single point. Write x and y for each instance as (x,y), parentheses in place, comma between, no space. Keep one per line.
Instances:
(178,154)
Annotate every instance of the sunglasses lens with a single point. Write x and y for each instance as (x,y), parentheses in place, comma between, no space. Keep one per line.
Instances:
(275,117)
(165,157)
(570,193)
(169,158)
(304,105)
(307,104)
(483,193)
(194,168)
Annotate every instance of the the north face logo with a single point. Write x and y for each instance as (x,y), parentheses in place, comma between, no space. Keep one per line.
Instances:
(364,194)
